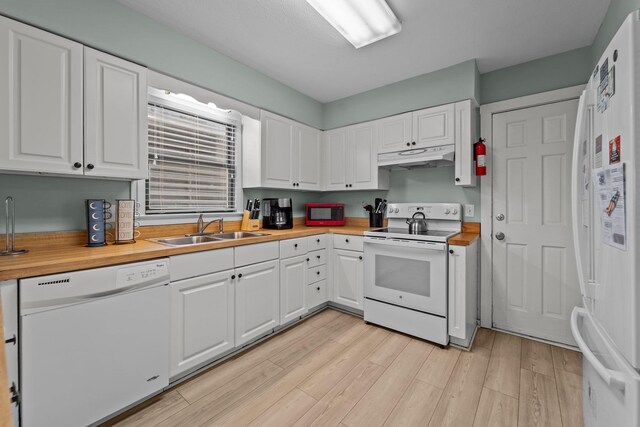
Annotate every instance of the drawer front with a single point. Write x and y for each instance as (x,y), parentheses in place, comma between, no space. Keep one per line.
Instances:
(316,294)
(293,247)
(316,274)
(253,254)
(317,258)
(349,243)
(200,263)
(317,242)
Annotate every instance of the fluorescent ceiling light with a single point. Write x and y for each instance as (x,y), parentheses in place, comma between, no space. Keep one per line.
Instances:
(362,22)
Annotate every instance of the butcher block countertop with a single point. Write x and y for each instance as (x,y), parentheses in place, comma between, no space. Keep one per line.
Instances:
(60,252)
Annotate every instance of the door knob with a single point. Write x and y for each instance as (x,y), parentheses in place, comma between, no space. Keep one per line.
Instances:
(500,217)
(500,235)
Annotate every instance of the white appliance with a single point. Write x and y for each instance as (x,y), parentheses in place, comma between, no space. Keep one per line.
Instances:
(442,155)
(606,216)
(92,342)
(405,274)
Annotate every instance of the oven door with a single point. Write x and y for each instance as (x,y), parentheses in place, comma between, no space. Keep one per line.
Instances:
(408,273)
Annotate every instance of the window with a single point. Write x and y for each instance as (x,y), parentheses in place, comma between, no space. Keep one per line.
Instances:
(192,156)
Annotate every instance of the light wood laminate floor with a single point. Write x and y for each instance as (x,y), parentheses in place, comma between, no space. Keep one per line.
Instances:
(335,370)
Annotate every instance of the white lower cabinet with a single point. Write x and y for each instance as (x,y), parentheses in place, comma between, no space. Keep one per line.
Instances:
(202,319)
(463,292)
(9,300)
(348,278)
(257,300)
(293,283)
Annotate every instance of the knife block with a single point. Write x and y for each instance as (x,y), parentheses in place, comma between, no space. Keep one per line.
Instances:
(249,224)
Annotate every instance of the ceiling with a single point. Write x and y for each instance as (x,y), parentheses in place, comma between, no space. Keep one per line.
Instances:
(290,42)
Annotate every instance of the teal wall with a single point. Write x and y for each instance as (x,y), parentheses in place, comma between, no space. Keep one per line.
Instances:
(616,14)
(450,84)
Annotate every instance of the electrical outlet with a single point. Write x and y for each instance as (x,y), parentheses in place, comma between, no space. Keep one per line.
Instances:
(469,211)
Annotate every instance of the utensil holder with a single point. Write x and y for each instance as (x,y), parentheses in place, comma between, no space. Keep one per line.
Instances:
(126,230)
(376,219)
(249,224)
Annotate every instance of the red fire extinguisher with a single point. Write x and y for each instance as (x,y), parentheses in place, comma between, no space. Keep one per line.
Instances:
(480,151)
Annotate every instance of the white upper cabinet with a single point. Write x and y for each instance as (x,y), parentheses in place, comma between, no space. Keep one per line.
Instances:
(434,126)
(69,110)
(351,159)
(465,138)
(394,133)
(40,101)
(288,155)
(115,117)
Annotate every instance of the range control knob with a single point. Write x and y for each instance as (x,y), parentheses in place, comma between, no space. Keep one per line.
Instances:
(455,211)
(447,211)
(396,210)
(390,210)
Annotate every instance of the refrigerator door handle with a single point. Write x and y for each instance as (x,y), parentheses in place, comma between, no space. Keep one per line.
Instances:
(612,378)
(575,191)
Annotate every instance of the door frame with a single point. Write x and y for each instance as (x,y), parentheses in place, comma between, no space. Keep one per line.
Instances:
(486,185)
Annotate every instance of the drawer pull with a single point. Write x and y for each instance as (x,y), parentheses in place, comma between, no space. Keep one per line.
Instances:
(318,256)
(346,240)
(318,240)
(295,245)
(318,273)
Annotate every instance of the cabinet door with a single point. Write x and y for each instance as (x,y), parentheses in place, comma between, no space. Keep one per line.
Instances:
(202,319)
(115,117)
(348,276)
(457,279)
(394,133)
(338,169)
(434,126)
(293,283)
(40,101)
(308,160)
(364,161)
(277,151)
(257,300)
(465,138)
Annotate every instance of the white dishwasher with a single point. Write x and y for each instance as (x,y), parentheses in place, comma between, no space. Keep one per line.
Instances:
(92,342)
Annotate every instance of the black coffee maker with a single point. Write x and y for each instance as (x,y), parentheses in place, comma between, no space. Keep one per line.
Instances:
(277,214)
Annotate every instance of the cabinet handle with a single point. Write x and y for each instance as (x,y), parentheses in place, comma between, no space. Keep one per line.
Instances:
(318,240)
(90,166)
(307,259)
(239,275)
(295,245)
(408,144)
(360,258)
(350,185)
(318,288)
(413,143)
(457,179)
(77,165)
(11,340)
(233,277)
(346,240)
(346,185)
(318,256)
(451,251)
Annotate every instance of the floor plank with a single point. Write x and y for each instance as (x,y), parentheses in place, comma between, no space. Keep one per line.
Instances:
(570,398)
(503,373)
(438,367)
(568,360)
(223,397)
(389,349)
(323,380)
(323,318)
(496,409)
(416,406)
(538,401)
(343,397)
(376,405)
(536,357)
(353,333)
(158,409)
(484,338)
(457,406)
(285,411)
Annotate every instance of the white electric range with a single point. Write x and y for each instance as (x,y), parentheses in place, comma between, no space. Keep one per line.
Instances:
(405,278)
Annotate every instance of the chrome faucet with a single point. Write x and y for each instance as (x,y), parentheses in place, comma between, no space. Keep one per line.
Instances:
(201,226)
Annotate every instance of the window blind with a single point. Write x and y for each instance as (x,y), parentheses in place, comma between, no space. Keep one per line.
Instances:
(192,161)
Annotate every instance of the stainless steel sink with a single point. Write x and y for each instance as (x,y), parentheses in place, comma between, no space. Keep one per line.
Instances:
(238,235)
(188,240)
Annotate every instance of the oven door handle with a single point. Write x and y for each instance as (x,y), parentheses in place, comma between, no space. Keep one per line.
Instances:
(405,243)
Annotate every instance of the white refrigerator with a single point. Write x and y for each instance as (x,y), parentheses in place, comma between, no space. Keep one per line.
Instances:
(606,217)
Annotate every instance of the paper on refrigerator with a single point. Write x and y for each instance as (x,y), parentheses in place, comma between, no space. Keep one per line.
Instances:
(609,186)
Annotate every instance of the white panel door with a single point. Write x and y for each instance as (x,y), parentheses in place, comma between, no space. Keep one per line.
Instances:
(338,172)
(308,158)
(277,151)
(293,284)
(257,300)
(535,283)
(40,101)
(202,319)
(434,126)
(115,117)
(364,163)
(348,278)
(394,133)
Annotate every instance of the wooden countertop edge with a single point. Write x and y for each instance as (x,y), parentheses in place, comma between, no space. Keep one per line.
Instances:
(463,239)
(59,259)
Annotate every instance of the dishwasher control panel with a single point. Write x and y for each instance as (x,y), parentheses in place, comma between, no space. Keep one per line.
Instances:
(149,272)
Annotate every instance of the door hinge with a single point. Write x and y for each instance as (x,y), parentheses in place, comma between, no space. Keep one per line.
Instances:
(15,394)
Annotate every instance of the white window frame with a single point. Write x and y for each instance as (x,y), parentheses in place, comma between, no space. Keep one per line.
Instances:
(205,96)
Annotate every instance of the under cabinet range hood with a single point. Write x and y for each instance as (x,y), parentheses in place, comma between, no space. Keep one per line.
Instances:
(418,157)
